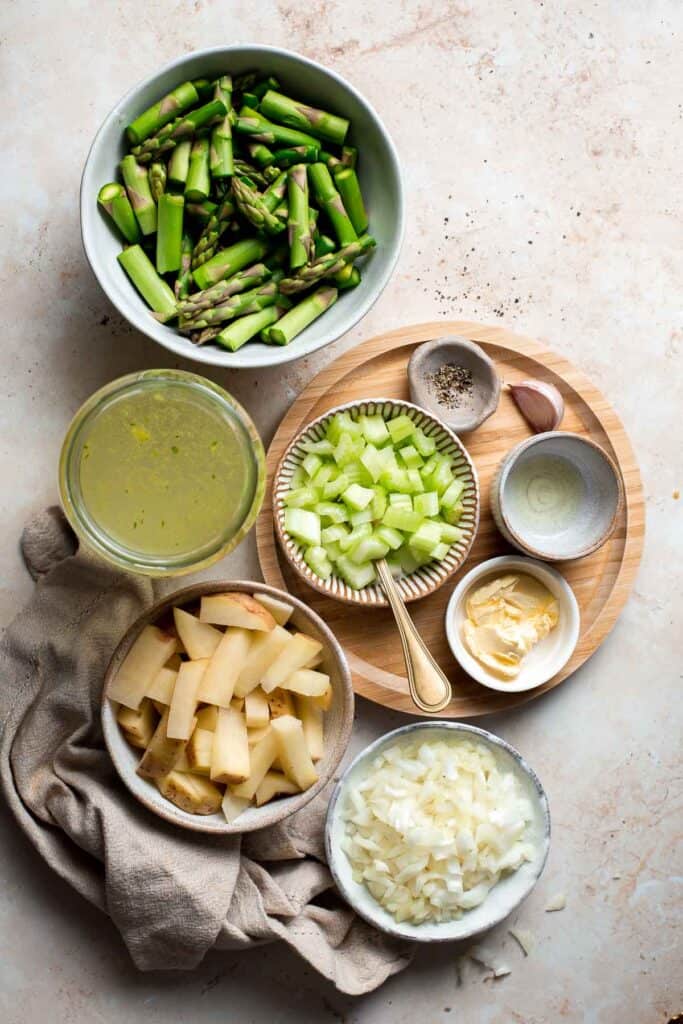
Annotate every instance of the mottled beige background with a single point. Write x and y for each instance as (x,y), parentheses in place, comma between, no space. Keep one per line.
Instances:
(541,144)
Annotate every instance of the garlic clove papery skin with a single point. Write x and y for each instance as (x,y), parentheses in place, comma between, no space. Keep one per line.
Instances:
(541,404)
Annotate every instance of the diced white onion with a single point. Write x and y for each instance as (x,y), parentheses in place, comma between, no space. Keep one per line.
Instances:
(433,826)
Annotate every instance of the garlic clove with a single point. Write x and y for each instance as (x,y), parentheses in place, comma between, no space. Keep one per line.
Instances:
(541,404)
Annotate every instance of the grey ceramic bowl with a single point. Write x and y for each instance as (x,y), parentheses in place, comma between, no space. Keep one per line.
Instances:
(379,173)
(503,898)
(598,507)
(338,720)
(475,407)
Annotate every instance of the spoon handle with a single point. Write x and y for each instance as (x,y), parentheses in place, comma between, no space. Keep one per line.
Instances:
(429,687)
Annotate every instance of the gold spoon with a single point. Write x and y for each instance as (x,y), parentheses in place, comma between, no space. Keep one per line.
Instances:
(429,687)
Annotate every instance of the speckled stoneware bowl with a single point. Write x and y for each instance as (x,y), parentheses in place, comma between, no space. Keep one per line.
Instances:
(503,898)
(476,406)
(600,505)
(424,580)
(338,720)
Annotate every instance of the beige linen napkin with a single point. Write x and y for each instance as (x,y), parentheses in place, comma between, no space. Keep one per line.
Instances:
(173,894)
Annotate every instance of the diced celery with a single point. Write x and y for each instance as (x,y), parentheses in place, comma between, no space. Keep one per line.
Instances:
(430,465)
(401,518)
(374,429)
(316,558)
(425,445)
(373,462)
(332,511)
(303,525)
(311,464)
(390,536)
(415,481)
(442,478)
(378,504)
(357,474)
(409,563)
(419,557)
(450,534)
(395,567)
(334,551)
(358,518)
(426,537)
(324,474)
(298,478)
(342,423)
(357,576)
(348,449)
(358,532)
(400,428)
(368,550)
(427,504)
(357,497)
(450,496)
(401,499)
(395,479)
(323,447)
(440,552)
(302,497)
(411,457)
(334,533)
(333,488)
(452,515)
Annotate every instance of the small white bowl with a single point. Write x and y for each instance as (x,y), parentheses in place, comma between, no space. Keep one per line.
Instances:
(544,660)
(503,898)
(379,172)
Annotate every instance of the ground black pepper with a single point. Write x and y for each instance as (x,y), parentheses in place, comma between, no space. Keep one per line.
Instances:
(451,383)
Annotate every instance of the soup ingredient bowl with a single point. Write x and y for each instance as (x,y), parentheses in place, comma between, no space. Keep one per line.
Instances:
(378,171)
(557,496)
(338,719)
(548,656)
(454,379)
(501,899)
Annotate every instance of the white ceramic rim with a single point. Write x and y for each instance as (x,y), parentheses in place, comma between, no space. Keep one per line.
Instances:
(425,580)
(458,928)
(568,607)
(176,343)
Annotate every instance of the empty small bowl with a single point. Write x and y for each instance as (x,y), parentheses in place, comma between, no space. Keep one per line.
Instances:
(467,410)
(544,660)
(557,496)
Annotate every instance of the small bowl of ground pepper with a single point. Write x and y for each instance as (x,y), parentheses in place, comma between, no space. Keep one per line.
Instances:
(454,379)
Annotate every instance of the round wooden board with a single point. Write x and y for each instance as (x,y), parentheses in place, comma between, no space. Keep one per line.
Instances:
(601,582)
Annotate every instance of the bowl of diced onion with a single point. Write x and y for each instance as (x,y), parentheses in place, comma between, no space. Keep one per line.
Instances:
(437,831)
(376,478)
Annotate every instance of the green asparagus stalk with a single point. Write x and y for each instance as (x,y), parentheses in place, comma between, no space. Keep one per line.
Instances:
(275,193)
(221,161)
(347,278)
(237,305)
(208,241)
(137,186)
(198,184)
(239,332)
(300,241)
(346,181)
(313,221)
(251,100)
(242,281)
(250,122)
(251,174)
(183,281)
(204,87)
(159,114)
(299,115)
(179,164)
(251,206)
(202,211)
(332,162)
(153,288)
(113,199)
(328,197)
(157,180)
(301,315)
(324,245)
(246,81)
(349,156)
(228,261)
(326,266)
(260,89)
(260,154)
(208,334)
(184,127)
(296,155)
(169,233)
(270,174)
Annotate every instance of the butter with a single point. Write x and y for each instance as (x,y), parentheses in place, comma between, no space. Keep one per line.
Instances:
(505,619)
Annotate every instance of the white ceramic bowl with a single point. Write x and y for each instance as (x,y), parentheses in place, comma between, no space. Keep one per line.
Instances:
(545,659)
(378,170)
(503,898)
(338,720)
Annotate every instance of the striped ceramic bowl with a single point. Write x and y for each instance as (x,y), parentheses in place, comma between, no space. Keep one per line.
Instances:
(427,578)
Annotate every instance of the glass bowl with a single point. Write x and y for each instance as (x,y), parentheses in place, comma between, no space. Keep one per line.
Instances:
(162,472)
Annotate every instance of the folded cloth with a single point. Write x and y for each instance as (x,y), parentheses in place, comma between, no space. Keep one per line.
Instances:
(173,894)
